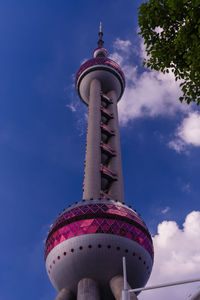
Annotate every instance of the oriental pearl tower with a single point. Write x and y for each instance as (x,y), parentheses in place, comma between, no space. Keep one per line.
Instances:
(86,243)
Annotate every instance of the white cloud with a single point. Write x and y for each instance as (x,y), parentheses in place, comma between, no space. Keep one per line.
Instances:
(153,94)
(147,94)
(122,45)
(177,257)
(142,53)
(186,188)
(188,133)
(71,107)
(122,51)
(165,210)
(117,58)
(177,144)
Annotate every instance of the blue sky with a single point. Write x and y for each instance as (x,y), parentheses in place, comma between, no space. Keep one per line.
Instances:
(42,138)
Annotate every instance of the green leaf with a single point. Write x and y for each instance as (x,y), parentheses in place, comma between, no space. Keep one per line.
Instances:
(178,46)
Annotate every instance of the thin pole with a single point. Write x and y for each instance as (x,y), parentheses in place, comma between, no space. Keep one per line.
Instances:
(163,285)
(124,273)
(125,293)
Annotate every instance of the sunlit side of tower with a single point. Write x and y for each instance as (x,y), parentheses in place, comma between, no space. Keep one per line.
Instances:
(85,245)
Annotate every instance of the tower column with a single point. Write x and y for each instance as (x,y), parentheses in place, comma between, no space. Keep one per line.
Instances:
(64,294)
(117,285)
(88,290)
(92,179)
(117,189)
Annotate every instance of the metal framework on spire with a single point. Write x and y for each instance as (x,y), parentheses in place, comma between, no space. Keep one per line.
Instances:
(100,41)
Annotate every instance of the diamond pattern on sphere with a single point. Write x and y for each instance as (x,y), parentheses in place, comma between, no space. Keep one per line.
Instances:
(100,230)
(122,232)
(105,228)
(87,222)
(129,235)
(82,224)
(125,227)
(97,224)
(91,229)
(62,238)
(96,209)
(103,207)
(116,226)
(102,222)
(85,209)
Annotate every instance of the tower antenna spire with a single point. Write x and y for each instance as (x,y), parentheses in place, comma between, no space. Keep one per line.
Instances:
(100,41)
(100,27)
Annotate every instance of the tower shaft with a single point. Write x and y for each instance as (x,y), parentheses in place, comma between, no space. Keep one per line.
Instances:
(92,178)
(103,166)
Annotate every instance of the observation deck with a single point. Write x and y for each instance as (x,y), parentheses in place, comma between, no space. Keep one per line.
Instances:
(106,70)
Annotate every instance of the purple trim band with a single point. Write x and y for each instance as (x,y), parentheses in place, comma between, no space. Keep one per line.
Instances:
(100,61)
(96,226)
(96,209)
(111,213)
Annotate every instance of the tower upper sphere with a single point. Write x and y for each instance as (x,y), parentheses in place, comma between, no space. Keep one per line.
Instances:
(103,68)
